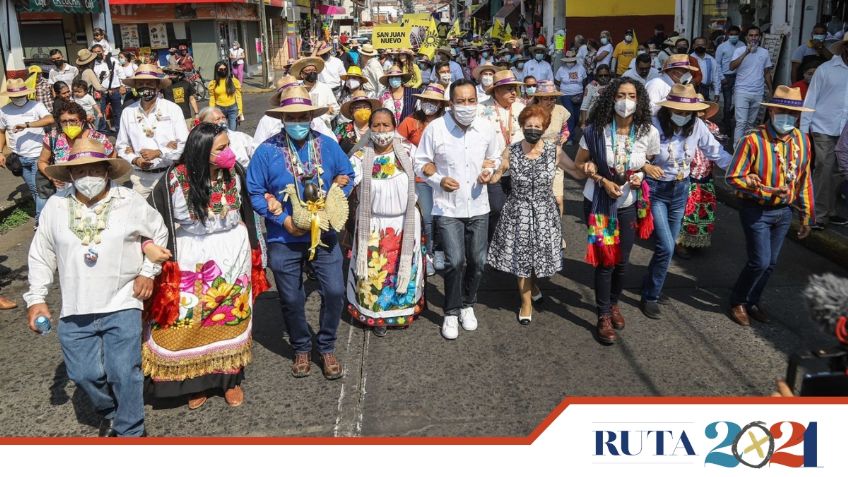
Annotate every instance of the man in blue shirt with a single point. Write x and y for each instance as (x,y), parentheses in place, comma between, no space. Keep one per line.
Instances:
(300,156)
(724,54)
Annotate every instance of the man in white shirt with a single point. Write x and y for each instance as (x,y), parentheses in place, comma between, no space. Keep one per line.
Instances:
(710,86)
(675,70)
(373,70)
(269,126)
(333,70)
(103,280)
(23,121)
(153,132)
(815,47)
(642,70)
(752,65)
(106,70)
(724,54)
(604,55)
(457,155)
(828,95)
(306,70)
(445,55)
(536,66)
(62,71)
(485,77)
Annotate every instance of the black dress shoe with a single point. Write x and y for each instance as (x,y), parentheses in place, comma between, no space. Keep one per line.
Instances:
(106,429)
(651,309)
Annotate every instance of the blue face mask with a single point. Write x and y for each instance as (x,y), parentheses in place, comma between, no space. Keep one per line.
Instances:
(395,82)
(297,131)
(540,56)
(783,123)
(734,39)
(530,90)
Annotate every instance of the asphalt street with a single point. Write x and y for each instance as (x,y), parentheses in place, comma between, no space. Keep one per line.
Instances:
(500,380)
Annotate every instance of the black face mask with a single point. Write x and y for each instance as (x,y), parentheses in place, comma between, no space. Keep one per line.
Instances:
(700,50)
(147,94)
(311,77)
(682,50)
(533,135)
(58,63)
(100,57)
(222,73)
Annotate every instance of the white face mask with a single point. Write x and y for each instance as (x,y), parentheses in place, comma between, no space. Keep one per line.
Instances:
(353,84)
(382,139)
(90,186)
(487,80)
(680,119)
(625,107)
(445,78)
(465,114)
(429,108)
(783,123)
(686,78)
(20,101)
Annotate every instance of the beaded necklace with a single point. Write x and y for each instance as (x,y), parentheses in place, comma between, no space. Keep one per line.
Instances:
(683,163)
(622,155)
(788,166)
(89,230)
(304,172)
(141,118)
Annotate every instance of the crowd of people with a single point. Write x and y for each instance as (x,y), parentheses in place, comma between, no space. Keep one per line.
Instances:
(404,167)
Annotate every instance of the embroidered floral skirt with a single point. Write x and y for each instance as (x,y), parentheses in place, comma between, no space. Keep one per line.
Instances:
(374,299)
(699,215)
(209,344)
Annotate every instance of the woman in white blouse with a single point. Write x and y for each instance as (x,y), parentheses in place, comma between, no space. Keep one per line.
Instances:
(237,61)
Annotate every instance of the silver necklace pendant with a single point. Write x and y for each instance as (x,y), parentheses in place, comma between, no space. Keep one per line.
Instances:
(91,256)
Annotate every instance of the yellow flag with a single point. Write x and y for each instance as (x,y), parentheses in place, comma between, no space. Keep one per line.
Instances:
(456,31)
(507,33)
(431,40)
(497,29)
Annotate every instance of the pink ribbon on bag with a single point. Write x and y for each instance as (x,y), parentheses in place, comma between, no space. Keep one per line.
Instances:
(207,274)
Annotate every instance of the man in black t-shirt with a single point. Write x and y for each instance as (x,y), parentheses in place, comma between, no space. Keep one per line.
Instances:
(181,92)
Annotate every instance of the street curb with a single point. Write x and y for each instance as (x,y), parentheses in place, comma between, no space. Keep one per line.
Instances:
(823,242)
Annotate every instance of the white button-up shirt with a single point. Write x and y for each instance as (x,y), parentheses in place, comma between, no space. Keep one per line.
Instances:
(101,68)
(658,89)
(332,72)
(269,126)
(458,154)
(67,75)
(828,95)
(683,149)
(541,70)
(107,286)
(155,130)
(634,75)
(323,96)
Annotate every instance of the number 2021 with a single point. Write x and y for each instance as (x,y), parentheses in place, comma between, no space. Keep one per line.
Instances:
(800,434)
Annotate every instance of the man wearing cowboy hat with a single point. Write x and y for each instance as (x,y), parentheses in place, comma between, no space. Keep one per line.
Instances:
(311,162)
(271,125)
(153,131)
(752,64)
(485,77)
(537,67)
(676,70)
(23,122)
(372,70)
(306,70)
(92,233)
(771,174)
(334,68)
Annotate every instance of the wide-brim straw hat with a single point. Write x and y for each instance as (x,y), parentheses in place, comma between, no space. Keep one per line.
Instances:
(84,57)
(324,47)
(535,48)
(394,71)
(569,57)
(546,88)
(446,50)
(367,49)
(302,63)
(358,96)
(88,151)
(16,87)
(713,107)
(503,78)
(148,72)
(353,72)
(287,81)
(679,61)
(683,97)
(480,69)
(433,92)
(296,99)
(353,42)
(788,98)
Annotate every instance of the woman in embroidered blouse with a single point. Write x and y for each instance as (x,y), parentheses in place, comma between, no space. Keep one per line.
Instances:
(58,144)
(386,281)
(681,134)
(397,98)
(357,109)
(204,343)
(618,144)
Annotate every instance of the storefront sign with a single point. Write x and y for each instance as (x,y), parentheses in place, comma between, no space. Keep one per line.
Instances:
(60,6)
(122,14)
(129,36)
(158,36)
(391,36)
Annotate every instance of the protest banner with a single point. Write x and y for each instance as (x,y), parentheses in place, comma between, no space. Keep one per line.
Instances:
(391,36)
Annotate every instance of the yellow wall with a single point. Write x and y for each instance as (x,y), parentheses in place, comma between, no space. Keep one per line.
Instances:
(606,8)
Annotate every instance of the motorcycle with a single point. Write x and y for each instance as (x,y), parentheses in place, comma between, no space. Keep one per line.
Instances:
(201,92)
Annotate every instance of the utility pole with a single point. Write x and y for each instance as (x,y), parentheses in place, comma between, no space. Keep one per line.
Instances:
(263,39)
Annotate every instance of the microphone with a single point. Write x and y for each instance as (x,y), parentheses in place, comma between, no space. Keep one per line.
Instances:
(827,299)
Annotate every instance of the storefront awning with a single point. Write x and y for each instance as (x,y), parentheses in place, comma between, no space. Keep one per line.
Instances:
(507,11)
(59,6)
(481,11)
(330,10)
(171,2)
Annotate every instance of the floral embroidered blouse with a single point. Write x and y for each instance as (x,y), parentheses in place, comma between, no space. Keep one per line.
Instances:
(61,146)
(223,209)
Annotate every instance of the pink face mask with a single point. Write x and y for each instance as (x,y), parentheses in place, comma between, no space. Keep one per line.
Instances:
(225,159)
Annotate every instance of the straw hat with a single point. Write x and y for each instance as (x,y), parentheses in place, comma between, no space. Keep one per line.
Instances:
(713,107)
(683,97)
(788,98)
(88,151)
(296,100)
(286,81)
(482,68)
(367,49)
(148,72)
(85,56)
(353,71)
(503,78)
(322,48)
(302,63)
(16,87)
(433,92)
(358,96)
(678,61)
(536,48)
(394,71)
(546,88)
(570,57)
(353,42)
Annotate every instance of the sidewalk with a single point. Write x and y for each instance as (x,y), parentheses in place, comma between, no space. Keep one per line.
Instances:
(253,85)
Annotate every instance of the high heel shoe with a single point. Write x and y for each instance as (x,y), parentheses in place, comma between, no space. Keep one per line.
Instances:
(525,320)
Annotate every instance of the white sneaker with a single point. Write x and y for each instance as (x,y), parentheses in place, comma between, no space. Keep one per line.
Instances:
(468,320)
(450,328)
(431,270)
(439,260)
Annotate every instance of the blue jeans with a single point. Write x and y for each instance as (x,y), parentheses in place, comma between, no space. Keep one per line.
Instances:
(231,112)
(466,245)
(425,202)
(113,98)
(668,202)
(747,108)
(287,261)
(30,171)
(103,356)
(765,228)
(572,104)
(727,94)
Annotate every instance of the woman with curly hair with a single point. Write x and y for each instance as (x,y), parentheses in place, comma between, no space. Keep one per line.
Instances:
(617,146)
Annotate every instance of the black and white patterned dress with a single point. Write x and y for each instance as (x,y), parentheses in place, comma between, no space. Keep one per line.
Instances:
(528,237)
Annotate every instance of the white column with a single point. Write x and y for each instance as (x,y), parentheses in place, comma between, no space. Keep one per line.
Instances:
(13,50)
